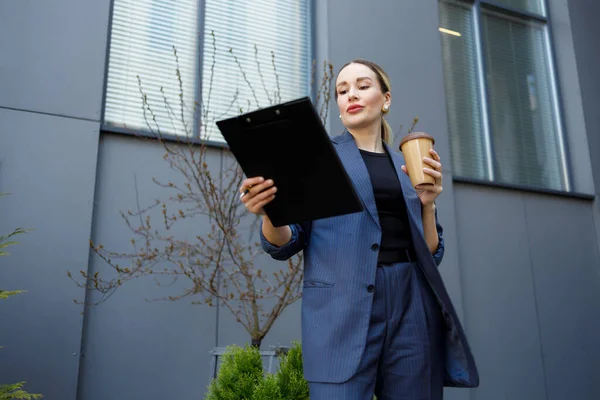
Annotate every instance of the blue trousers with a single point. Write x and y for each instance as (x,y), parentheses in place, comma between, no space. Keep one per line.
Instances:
(403,357)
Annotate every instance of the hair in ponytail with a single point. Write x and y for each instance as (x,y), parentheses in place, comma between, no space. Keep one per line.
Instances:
(386,131)
(386,86)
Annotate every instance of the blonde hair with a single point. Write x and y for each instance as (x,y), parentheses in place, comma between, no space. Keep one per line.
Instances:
(386,86)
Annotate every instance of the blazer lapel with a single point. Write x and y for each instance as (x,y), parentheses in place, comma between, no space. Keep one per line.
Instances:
(357,170)
(413,203)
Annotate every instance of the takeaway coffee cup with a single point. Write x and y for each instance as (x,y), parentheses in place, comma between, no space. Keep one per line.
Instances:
(415,146)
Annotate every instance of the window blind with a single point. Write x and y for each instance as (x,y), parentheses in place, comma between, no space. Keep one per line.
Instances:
(235,72)
(144,33)
(532,6)
(524,131)
(239,73)
(463,98)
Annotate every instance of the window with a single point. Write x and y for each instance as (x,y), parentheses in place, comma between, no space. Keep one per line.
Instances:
(144,33)
(503,115)
(255,30)
(214,81)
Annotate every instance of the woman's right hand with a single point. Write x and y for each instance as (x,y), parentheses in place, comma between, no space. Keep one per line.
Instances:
(256,193)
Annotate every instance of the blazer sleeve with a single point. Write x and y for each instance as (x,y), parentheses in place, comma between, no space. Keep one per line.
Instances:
(299,240)
(439,253)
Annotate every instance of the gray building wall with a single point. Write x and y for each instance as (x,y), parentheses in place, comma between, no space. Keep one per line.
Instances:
(51,75)
(521,267)
(585,33)
(48,164)
(529,266)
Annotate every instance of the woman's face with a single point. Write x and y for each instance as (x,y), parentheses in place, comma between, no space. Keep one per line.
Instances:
(359,97)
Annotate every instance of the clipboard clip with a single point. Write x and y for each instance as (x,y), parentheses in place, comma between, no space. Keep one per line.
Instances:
(249,119)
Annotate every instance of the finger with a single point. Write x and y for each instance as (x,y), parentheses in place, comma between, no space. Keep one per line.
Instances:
(435,164)
(252,201)
(432,172)
(262,187)
(250,182)
(403,167)
(435,155)
(261,204)
(437,189)
(248,192)
(256,198)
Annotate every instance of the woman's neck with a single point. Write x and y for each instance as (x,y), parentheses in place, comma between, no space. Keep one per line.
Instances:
(368,139)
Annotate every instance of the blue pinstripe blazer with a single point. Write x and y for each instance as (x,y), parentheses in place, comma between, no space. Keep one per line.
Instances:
(339,265)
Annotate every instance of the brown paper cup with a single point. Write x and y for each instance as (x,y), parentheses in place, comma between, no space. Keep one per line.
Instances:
(415,147)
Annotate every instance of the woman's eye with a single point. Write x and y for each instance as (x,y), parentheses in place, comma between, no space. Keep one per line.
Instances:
(342,91)
(363,87)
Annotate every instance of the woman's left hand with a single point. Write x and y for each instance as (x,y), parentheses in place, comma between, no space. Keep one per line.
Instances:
(428,193)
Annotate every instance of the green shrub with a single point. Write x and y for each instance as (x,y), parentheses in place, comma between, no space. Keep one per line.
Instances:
(290,376)
(13,391)
(241,377)
(16,392)
(240,373)
(267,389)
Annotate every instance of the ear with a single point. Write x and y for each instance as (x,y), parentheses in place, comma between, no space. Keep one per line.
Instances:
(388,98)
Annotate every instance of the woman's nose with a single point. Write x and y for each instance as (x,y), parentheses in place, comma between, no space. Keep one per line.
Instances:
(351,94)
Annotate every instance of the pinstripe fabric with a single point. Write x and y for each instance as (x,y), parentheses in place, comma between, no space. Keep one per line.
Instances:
(401,360)
(339,266)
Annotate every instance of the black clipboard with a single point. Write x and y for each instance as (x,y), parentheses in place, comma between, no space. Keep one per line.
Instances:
(288,143)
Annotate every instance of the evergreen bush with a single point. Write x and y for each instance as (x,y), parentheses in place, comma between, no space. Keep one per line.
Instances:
(241,376)
(12,391)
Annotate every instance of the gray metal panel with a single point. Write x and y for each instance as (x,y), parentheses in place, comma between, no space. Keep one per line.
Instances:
(286,328)
(565,261)
(570,86)
(53,56)
(133,348)
(284,331)
(49,165)
(586,30)
(500,304)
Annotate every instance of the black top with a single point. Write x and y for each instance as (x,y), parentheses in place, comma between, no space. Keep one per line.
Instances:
(391,207)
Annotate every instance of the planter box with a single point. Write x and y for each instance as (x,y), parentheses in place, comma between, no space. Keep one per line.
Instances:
(270,358)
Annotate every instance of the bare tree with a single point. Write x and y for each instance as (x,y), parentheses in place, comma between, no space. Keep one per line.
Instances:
(222,266)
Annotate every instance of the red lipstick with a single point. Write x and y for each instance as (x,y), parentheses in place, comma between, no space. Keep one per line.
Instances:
(354,108)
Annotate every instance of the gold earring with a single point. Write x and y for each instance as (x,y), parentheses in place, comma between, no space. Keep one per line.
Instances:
(385,108)
(340,116)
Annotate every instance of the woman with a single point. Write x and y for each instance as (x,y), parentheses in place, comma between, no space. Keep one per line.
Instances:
(376,317)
